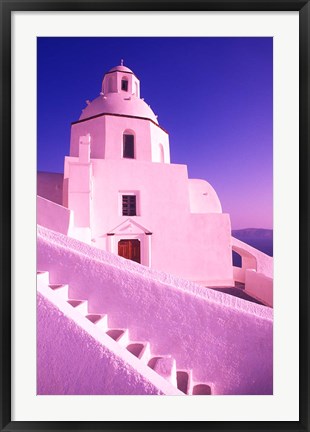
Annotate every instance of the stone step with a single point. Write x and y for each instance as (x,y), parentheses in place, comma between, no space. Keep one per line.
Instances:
(184,381)
(100,321)
(166,367)
(201,389)
(43,276)
(140,350)
(80,305)
(62,290)
(145,354)
(119,335)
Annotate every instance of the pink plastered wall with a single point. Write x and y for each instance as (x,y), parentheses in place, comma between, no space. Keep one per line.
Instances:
(117,126)
(194,246)
(79,192)
(107,138)
(160,145)
(60,219)
(259,286)
(208,257)
(54,216)
(98,128)
(225,340)
(50,186)
(239,274)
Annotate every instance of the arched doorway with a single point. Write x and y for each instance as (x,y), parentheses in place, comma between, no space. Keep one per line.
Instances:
(130,249)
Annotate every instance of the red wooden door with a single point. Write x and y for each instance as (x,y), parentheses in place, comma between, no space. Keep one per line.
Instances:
(130,249)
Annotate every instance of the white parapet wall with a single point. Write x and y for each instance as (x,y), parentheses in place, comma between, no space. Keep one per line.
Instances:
(259,286)
(54,216)
(253,258)
(256,272)
(239,274)
(60,219)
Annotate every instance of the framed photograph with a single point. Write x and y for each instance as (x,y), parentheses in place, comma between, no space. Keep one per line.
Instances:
(155,215)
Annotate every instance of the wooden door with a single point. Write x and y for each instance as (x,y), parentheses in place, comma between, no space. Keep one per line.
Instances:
(130,249)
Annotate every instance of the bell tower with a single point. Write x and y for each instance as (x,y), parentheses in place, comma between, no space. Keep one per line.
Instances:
(122,80)
(122,126)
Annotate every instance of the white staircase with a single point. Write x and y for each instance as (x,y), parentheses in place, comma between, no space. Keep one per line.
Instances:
(164,365)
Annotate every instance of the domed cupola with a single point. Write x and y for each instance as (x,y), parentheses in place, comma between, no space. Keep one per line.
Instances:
(121,79)
(120,94)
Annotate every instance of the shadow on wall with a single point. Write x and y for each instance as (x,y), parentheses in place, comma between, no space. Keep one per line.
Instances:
(50,186)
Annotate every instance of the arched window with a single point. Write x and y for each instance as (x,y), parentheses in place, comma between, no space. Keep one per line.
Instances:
(124,84)
(128,145)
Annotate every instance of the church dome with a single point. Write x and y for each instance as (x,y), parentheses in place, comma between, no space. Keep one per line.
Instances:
(120,95)
(121,68)
(117,103)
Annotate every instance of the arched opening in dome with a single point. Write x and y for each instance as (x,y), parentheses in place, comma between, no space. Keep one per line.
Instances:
(124,85)
(110,85)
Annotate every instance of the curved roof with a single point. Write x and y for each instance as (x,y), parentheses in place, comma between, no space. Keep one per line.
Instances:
(118,103)
(121,69)
(203,197)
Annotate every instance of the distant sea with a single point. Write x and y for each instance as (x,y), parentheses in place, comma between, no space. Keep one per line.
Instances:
(261,239)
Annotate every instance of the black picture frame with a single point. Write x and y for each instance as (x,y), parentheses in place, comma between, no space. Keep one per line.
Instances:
(7,7)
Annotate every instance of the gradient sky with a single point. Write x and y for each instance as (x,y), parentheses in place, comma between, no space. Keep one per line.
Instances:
(213,96)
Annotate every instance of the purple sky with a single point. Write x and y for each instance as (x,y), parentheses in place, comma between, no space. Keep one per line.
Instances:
(213,96)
